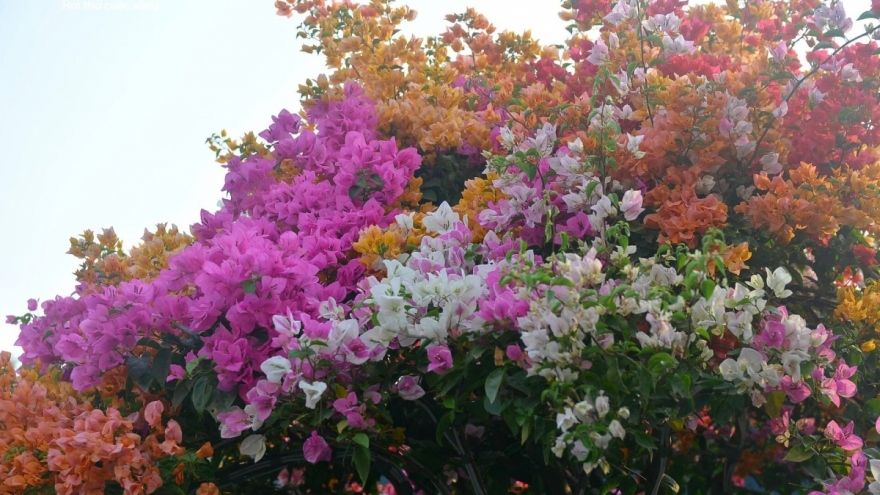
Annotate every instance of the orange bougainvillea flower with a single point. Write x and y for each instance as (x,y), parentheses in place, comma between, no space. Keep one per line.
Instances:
(208,489)
(205,451)
(682,216)
(735,257)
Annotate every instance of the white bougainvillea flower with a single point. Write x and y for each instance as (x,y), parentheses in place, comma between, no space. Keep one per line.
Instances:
(276,368)
(440,220)
(313,392)
(253,446)
(777,280)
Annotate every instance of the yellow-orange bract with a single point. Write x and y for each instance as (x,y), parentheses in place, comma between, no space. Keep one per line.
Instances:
(105,262)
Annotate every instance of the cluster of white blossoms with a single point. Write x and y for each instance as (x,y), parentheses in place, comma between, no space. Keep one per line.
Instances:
(430,292)
(591,413)
(771,358)
(564,329)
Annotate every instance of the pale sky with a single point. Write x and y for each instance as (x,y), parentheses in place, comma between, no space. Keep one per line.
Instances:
(105,107)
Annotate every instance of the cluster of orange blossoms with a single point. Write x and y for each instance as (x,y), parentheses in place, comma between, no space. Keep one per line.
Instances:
(106,263)
(446,102)
(54,437)
(818,205)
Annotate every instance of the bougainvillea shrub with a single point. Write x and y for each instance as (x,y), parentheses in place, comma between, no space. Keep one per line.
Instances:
(640,262)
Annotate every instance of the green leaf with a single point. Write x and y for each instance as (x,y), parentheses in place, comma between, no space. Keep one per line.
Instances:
(475,353)
(443,425)
(530,170)
(495,408)
(822,45)
(452,379)
(774,403)
(222,401)
(849,115)
(645,440)
(192,365)
(249,287)
(149,343)
(300,353)
(681,384)
(588,192)
(362,439)
(139,371)
(868,15)
(526,430)
(493,383)
(631,68)
(871,409)
(162,366)
(781,76)
(180,392)
(201,394)
(362,462)
(707,288)
(798,453)
(660,362)
(833,33)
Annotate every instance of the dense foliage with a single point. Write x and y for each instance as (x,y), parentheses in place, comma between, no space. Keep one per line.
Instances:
(641,262)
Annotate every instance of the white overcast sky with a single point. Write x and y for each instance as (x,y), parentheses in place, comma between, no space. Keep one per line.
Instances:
(105,107)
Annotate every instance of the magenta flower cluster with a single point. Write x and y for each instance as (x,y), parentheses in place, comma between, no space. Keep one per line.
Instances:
(259,255)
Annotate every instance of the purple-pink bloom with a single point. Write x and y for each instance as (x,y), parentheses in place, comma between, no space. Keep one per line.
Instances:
(514,352)
(356,351)
(839,385)
(854,482)
(177,372)
(408,388)
(578,226)
(440,358)
(779,51)
(796,391)
(372,394)
(353,411)
(233,422)
(474,431)
(780,425)
(599,53)
(316,449)
(844,438)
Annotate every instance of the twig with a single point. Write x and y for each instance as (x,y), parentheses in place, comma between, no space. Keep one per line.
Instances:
(664,456)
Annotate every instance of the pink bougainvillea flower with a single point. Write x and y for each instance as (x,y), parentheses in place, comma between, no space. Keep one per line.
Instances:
(796,391)
(514,352)
(177,372)
(844,438)
(316,449)
(153,413)
(440,358)
(408,388)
